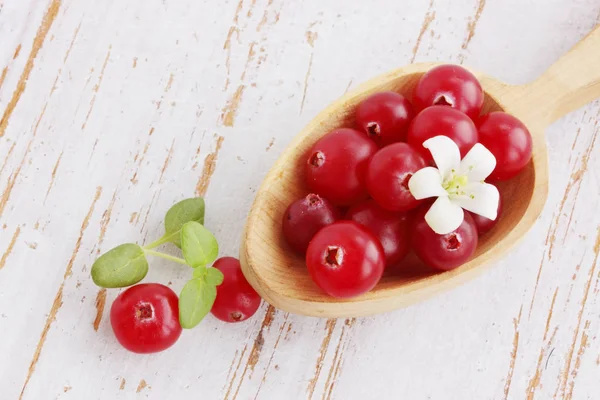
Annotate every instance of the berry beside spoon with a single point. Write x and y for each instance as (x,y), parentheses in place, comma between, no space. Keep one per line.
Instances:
(149,317)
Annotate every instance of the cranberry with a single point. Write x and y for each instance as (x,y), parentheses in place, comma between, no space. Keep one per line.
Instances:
(485,224)
(236,300)
(336,166)
(345,259)
(145,318)
(305,217)
(391,228)
(388,174)
(509,141)
(440,120)
(384,117)
(443,252)
(449,85)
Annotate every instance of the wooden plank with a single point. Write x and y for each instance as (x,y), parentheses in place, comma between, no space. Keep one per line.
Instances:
(112,111)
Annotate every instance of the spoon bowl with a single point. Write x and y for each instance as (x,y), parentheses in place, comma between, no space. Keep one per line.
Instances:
(281,277)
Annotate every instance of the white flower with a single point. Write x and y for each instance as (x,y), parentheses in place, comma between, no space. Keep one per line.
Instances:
(456,184)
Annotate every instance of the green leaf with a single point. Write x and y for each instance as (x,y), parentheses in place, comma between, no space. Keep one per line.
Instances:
(200,271)
(214,276)
(199,246)
(122,266)
(195,301)
(185,211)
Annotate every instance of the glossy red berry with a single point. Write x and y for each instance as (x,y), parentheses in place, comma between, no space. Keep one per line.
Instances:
(449,85)
(145,318)
(345,260)
(388,174)
(440,120)
(509,141)
(485,224)
(236,300)
(304,218)
(336,166)
(443,252)
(384,117)
(391,228)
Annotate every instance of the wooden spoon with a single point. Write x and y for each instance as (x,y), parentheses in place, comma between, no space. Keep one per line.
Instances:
(281,277)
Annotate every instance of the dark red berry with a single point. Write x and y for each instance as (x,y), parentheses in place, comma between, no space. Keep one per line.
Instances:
(388,174)
(509,141)
(345,260)
(440,120)
(450,86)
(236,300)
(336,166)
(391,228)
(305,217)
(443,252)
(384,117)
(145,318)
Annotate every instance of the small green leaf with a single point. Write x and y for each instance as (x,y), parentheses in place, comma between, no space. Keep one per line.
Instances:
(122,266)
(214,277)
(195,301)
(199,246)
(200,272)
(185,211)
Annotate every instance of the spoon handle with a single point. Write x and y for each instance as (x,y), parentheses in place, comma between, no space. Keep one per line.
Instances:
(571,82)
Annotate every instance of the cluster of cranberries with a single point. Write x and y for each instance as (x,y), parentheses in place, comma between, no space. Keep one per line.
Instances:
(145,317)
(360,216)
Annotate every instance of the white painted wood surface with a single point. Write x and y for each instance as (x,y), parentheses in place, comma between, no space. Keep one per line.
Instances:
(113,110)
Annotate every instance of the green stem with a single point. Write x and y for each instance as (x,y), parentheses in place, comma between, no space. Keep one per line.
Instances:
(162,240)
(165,256)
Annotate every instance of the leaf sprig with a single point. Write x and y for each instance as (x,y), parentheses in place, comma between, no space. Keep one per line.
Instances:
(126,264)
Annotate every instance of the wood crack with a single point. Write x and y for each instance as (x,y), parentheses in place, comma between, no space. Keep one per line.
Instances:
(254,355)
(471,25)
(210,164)
(429,17)
(96,88)
(310,63)
(10,247)
(567,369)
(38,42)
(53,176)
(100,303)
(535,380)
(329,327)
(513,354)
(57,303)
(336,364)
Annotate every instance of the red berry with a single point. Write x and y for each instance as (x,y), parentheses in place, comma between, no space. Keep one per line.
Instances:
(305,217)
(391,228)
(440,120)
(443,252)
(336,166)
(388,174)
(509,141)
(236,300)
(345,260)
(145,318)
(485,224)
(449,85)
(384,117)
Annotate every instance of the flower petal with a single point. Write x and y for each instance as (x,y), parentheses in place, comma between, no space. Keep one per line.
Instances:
(445,153)
(444,216)
(426,182)
(478,164)
(480,198)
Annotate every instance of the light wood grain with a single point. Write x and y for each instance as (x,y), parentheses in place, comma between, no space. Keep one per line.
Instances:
(175,103)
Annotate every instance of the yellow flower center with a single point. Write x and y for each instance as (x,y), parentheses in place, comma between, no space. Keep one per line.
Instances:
(455,184)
